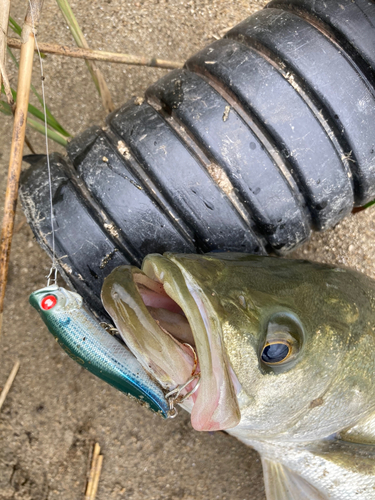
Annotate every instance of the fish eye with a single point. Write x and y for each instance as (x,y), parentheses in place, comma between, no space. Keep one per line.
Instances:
(48,302)
(282,343)
(276,352)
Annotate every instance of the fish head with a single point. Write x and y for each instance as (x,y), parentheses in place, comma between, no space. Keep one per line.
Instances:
(54,299)
(285,348)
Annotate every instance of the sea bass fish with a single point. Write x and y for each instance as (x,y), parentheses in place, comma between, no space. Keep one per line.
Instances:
(81,336)
(285,353)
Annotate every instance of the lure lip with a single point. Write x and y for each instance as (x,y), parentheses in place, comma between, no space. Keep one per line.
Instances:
(135,383)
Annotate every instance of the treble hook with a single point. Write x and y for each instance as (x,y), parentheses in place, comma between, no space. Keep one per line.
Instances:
(174,396)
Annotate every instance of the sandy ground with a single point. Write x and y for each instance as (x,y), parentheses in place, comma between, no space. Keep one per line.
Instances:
(56,410)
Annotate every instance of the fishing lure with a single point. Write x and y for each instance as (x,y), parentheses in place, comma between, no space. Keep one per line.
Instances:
(96,350)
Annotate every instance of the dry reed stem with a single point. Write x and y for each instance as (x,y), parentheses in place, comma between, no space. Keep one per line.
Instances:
(4,20)
(4,80)
(80,40)
(98,470)
(18,139)
(101,55)
(19,226)
(10,100)
(94,476)
(30,146)
(8,383)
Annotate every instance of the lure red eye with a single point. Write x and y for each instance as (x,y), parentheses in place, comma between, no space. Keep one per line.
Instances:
(48,302)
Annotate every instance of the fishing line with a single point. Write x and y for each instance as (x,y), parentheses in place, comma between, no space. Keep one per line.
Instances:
(52,275)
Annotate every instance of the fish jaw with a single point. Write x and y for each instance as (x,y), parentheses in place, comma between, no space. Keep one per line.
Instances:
(214,405)
(167,360)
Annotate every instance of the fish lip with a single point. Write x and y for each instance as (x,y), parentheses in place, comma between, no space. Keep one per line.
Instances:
(161,355)
(209,351)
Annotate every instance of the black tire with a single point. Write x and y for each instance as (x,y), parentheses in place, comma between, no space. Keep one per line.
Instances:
(263,137)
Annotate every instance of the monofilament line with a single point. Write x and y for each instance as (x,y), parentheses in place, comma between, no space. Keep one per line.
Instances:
(53,269)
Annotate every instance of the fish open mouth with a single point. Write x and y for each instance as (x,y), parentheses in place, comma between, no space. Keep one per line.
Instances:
(164,316)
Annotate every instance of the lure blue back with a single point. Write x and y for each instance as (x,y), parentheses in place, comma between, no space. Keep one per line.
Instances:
(81,336)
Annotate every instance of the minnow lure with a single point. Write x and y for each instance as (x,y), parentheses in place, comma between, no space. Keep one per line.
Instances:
(90,345)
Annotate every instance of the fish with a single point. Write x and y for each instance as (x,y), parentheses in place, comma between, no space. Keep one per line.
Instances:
(285,358)
(96,350)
